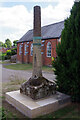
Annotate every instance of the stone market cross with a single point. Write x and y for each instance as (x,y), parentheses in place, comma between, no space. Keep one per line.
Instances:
(37,62)
(37,86)
(37,96)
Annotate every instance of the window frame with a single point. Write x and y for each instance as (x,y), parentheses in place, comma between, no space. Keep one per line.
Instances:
(31,49)
(25,49)
(49,49)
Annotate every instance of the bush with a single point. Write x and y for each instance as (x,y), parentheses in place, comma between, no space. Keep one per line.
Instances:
(2,56)
(13,51)
(8,54)
(67,64)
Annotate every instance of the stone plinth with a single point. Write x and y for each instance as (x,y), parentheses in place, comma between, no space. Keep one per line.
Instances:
(34,108)
(38,88)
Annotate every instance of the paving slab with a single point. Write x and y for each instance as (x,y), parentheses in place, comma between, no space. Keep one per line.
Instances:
(34,108)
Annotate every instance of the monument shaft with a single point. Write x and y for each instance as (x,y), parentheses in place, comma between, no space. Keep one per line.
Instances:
(37,62)
(37,86)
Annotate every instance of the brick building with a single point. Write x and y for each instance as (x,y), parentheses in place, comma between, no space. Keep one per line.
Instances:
(51,36)
(3,49)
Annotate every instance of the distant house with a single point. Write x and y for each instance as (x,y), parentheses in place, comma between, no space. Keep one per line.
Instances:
(3,49)
(51,36)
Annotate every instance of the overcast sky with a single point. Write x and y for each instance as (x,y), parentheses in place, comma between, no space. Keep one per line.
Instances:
(16,18)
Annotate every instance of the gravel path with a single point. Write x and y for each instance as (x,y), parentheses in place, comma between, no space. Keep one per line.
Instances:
(8,75)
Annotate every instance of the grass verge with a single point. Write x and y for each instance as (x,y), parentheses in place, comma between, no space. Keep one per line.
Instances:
(71,112)
(26,67)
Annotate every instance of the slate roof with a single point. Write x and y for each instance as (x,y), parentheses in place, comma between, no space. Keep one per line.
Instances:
(47,32)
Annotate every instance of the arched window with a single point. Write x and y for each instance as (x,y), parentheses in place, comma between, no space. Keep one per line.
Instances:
(25,49)
(20,49)
(48,49)
(32,49)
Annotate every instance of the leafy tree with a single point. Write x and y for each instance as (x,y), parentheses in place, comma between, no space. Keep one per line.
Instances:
(5,45)
(67,64)
(8,43)
(8,54)
(1,44)
(15,42)
(13,51)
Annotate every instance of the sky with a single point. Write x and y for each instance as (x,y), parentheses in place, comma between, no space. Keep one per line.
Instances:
(16,16)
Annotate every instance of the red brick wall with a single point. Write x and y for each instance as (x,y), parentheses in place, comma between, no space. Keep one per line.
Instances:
(19,57)
(45,60)
(48,60)
(26,53)
(3,50)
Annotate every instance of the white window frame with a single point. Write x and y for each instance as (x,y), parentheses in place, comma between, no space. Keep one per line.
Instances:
(49,49)
(59,40)
(31,50)
(25,49)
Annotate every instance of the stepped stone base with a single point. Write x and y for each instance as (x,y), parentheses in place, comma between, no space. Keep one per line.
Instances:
(34,108)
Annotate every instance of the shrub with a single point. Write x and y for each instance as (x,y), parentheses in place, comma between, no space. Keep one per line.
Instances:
(13,51)
(8,54)
(67,64)
(2,56)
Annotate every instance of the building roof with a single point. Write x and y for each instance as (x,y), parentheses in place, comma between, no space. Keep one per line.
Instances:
(47,32)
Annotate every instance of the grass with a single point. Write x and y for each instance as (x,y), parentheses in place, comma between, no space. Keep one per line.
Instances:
(16,80)
(26,67)
(4,61)
(14,84)
(7,110)
(71,112)
(19,66)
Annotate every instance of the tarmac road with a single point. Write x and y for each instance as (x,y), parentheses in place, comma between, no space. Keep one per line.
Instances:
(8,74)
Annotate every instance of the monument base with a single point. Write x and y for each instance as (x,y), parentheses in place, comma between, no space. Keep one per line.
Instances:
(38,88)
(34,108)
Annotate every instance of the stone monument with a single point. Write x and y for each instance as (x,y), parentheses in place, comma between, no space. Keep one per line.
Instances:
(37,86)
(28,99)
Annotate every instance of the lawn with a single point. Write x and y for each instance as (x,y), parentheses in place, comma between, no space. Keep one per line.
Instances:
(71,112)
(26,67)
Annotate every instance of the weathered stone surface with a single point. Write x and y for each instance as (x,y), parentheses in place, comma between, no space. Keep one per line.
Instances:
(38,88)
(37,21)
(37,62)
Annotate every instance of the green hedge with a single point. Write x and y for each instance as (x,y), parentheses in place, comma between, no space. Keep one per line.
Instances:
(2,56)
(67,64)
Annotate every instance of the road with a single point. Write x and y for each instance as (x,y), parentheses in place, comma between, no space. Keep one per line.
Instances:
(9,74)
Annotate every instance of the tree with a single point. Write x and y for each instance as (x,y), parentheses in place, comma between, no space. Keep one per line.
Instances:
(1,44)
(8,43)
(15,42)
(67,64)
(5,45)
